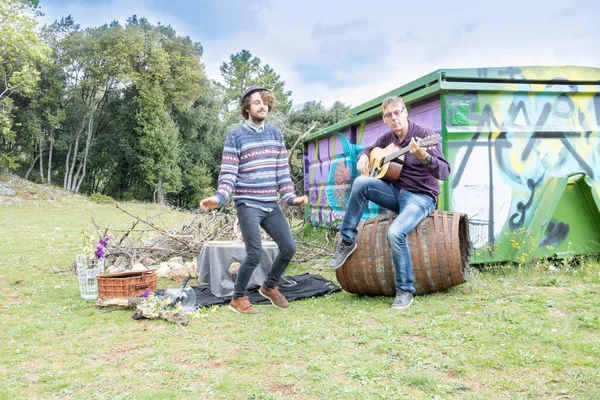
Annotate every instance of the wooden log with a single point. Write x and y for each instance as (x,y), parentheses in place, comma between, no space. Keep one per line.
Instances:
(120,302)
(145,308)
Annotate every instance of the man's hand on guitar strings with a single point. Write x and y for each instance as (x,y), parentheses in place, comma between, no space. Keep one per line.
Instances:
(416,150)
(363,164)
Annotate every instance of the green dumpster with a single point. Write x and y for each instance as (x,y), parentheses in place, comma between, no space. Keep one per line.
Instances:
(524,150)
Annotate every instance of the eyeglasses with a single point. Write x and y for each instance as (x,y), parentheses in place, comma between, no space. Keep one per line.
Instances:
(397,113)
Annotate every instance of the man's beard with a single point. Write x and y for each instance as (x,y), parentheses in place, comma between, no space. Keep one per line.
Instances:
(257,119)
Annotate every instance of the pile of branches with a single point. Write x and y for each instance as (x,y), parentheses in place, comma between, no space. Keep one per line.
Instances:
(145,240)
(148,243)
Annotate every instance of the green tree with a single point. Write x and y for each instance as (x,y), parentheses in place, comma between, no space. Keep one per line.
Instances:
(202,137)
(312,115)
(21,52)
(242,71)
(45,106)
(174,61)
(311,112)
(159,142)
(267,78)
(95,61)
(114,164)
(169,77)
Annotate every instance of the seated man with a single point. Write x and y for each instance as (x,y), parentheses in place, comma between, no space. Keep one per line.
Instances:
(413,195)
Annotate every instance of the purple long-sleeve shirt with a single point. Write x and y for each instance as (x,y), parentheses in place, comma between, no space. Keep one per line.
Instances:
(416,177)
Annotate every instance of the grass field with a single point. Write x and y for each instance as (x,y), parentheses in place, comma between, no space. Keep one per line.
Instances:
(510,332)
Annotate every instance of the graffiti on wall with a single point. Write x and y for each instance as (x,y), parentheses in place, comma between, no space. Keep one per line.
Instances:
(330,165)
(514,142)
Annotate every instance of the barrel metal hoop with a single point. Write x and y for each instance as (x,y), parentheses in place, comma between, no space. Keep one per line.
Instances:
(344,274)
(390,274)
(373,259)
(445,265)
(359,276)
(456,250)
(424,279)
(359,286)
(444,280)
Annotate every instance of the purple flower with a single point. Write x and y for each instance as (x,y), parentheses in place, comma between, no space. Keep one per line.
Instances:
(100,253)
(146,293)
(101,248)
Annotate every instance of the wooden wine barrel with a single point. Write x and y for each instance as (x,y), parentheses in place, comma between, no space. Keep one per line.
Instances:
(440,250)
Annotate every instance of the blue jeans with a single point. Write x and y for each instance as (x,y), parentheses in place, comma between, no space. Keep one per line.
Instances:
(412,208)
(276,225)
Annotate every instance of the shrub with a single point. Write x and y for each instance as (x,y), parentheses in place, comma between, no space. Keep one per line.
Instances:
(101,198)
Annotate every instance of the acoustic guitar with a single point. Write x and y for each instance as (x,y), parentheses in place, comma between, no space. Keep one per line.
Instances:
(381,163)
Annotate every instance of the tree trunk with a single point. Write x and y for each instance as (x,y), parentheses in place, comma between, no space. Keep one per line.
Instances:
(88,142)
(71,168)
(160,194)
(70,180)
(106,185)
(48,179)
(75,186)
(41,161)
(67,166)
(31,167)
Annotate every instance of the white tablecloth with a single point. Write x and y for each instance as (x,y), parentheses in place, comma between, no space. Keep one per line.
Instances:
(216,257)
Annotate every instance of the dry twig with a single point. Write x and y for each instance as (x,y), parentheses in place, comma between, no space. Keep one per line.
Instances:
(157,228)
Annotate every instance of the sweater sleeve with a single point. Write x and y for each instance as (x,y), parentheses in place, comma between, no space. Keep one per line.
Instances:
(439,167)
(230,162)
(284,180)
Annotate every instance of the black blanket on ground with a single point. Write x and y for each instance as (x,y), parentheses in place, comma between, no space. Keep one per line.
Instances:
(308,285)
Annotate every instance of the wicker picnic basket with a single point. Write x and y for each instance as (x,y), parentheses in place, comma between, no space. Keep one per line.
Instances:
(126,284)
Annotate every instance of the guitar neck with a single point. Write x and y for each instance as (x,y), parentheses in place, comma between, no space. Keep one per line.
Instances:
(395,155)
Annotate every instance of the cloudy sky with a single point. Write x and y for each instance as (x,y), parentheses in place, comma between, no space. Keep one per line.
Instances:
(353,50)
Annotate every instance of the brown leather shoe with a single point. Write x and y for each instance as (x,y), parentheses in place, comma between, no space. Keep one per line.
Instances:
(242,306)
(275,296)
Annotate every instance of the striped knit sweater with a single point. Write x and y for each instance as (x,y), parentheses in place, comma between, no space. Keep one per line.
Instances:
(254,166)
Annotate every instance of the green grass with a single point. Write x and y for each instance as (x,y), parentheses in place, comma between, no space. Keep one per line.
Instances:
(508,333)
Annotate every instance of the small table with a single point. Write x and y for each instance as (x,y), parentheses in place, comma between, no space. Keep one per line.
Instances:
(216,257)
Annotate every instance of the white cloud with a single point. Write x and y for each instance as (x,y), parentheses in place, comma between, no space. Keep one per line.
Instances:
(349,51)
(97,14)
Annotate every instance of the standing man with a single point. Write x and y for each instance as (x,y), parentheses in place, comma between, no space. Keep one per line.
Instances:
(413,196)
(254,166)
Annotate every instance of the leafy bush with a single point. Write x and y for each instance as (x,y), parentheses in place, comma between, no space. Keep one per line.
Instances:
(101,198)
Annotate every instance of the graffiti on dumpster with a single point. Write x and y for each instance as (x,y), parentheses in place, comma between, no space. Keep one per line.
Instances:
(517,219)
(518,141)
(505,144)
(555,233)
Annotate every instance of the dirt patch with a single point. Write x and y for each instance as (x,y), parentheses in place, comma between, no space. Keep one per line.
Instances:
(416,338)
(285,390)
(213,364)
(13,299)
(555,312)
